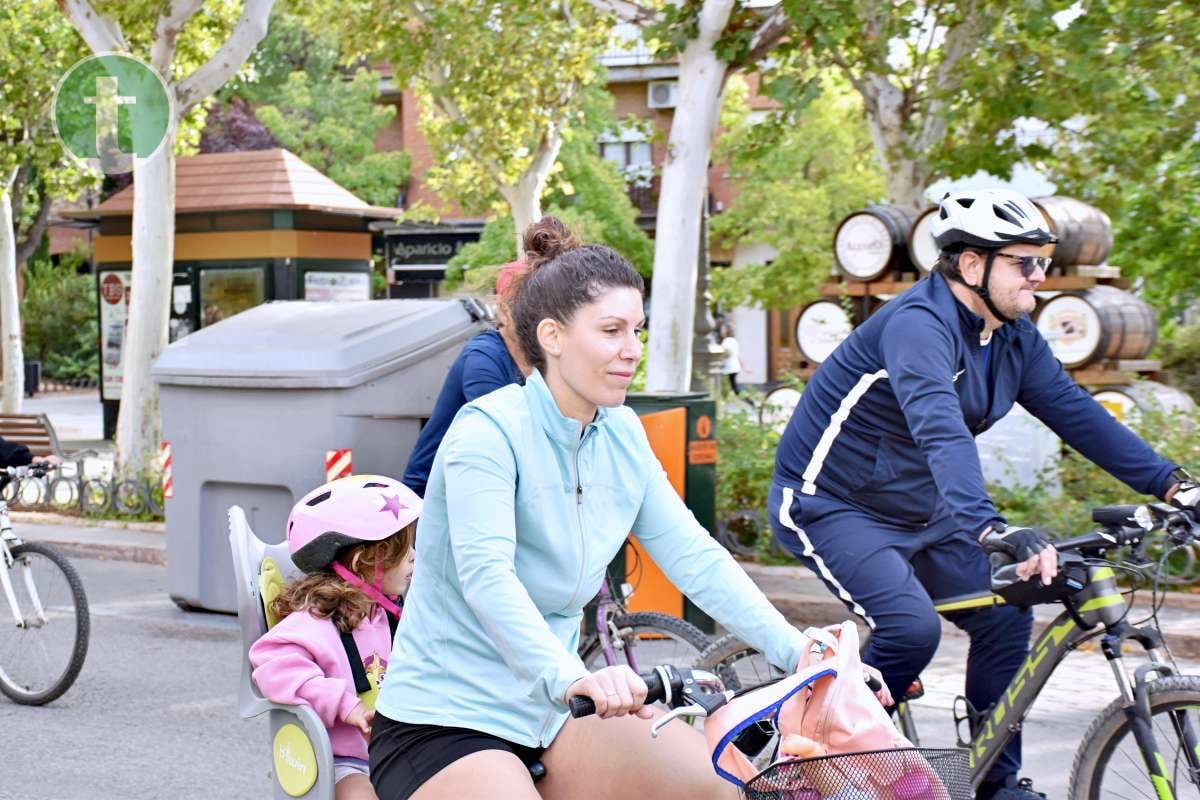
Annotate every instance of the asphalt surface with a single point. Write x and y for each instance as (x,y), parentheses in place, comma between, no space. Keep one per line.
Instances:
(153,713)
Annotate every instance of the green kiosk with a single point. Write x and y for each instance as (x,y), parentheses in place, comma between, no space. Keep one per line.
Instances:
(250,227)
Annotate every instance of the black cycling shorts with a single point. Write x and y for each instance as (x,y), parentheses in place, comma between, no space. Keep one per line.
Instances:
(404,756)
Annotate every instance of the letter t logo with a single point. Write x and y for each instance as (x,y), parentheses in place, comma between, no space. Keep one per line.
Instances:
(106,101)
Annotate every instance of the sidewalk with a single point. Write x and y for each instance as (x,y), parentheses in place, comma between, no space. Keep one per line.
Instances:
(102,539)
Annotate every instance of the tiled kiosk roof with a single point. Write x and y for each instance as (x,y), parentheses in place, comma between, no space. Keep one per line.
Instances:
(253,179)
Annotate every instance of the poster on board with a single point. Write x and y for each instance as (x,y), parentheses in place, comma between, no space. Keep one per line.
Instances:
(114,315)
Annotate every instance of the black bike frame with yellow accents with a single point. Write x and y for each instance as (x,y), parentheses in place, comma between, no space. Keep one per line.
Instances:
(1100,603)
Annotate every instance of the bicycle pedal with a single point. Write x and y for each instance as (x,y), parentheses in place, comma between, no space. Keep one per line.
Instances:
(916,690)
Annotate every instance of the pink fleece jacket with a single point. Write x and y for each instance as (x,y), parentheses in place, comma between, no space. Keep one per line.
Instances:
(302,660)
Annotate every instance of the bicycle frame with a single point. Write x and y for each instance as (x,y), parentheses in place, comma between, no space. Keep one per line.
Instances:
(9,540)
(1100,603)
(605,605)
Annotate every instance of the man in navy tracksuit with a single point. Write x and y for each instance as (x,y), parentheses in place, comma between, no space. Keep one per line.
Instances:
(878,487)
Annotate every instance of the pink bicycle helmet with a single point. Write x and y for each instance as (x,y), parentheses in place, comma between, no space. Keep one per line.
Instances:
(348,511)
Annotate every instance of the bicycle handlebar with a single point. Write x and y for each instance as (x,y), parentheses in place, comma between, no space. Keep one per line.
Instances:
(37,469)
(658,690)
(1129,525)
(682,687)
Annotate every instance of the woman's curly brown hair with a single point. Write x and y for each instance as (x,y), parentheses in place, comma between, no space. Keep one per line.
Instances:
(326,595)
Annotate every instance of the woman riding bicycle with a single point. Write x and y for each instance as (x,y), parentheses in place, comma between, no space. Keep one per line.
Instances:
(532,494)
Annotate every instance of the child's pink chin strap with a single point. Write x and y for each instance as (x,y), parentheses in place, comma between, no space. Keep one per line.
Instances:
(373,590)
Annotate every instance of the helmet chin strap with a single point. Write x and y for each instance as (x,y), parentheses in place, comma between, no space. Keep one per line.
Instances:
(373,590)
(982,288)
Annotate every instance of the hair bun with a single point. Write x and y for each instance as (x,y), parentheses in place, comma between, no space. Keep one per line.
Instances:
(546,239)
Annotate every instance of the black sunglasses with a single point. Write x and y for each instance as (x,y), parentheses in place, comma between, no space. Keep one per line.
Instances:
(1029,264)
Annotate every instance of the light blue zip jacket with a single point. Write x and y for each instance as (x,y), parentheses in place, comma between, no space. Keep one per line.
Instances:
(523,513)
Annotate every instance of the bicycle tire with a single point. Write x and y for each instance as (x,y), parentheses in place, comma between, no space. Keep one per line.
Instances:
(18,686)
(737,664)
(1110,731)
(640,630)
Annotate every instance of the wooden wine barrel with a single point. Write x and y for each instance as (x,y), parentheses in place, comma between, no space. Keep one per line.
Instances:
(820,328)
(1126,403)
(1084,232)
(778,406)
(1102,322)
(872,242)
(922,249)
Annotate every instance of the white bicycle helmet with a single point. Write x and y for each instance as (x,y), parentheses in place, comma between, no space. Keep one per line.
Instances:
(988,219)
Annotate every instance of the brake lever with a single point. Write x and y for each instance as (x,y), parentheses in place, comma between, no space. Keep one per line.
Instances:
(702,705)
(690,710)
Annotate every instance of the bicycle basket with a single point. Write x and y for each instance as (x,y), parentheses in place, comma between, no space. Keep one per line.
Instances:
(916,773)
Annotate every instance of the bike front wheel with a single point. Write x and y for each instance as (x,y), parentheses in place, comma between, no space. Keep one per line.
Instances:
(646,639)
(44,639)
(1109,763)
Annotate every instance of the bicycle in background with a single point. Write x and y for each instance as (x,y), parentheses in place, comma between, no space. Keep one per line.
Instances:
(44,620)
(623,637)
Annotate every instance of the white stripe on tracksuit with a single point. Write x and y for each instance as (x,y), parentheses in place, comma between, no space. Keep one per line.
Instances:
(785,519)
(835,427)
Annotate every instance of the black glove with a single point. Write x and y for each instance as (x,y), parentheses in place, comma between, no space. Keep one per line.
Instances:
(1020,544)
(1188,493)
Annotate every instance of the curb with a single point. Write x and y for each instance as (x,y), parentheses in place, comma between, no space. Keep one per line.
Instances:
(51,518)
(112,552)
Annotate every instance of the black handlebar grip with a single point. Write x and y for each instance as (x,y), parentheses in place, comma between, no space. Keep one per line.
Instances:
(581,706)
(873,683)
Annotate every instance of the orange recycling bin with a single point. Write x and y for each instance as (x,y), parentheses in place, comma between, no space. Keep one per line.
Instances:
(681,428)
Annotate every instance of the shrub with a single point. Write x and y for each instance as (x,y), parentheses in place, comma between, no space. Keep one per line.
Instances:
(59,315)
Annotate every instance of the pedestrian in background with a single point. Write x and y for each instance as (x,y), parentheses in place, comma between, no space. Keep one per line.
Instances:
(732,365)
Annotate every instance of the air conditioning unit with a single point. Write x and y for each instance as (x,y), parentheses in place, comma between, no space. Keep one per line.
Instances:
(662,94)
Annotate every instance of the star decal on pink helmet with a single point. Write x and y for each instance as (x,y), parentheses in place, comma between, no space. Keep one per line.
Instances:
(393,505)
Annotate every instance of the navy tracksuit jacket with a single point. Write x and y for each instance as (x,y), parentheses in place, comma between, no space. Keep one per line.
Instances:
(878,487)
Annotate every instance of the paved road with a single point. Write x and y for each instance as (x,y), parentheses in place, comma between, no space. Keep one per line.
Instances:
(154,711)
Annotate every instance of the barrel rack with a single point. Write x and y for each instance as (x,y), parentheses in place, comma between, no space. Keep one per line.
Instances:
(863,298)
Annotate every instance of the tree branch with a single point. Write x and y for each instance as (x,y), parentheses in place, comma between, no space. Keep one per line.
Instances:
(33,237)
(167,30)
(627,11)
(102,35)
(855,80)
(16,186)
(250,29)
(959,42)
(772,29)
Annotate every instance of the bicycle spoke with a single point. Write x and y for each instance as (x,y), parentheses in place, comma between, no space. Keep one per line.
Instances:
(1139,789)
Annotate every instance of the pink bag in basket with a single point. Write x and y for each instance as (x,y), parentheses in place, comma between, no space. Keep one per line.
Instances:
(828,703)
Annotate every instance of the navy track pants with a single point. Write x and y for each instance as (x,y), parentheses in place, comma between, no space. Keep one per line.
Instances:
(890,576)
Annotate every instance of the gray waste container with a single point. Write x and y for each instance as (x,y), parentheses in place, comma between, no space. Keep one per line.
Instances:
(252,404)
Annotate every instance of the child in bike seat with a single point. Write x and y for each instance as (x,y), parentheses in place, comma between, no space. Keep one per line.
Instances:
(353,537)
